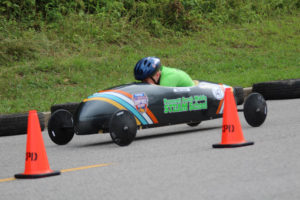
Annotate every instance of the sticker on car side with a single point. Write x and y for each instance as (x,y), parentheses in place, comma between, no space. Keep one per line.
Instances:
(185,104)
(140,101)
(182,89)
(217,90)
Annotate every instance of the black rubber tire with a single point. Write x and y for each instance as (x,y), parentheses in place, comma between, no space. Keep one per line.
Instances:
(255,109)
(122,127)
(239,95)
(284,89)
(193,124)
(16,124)
(71,107)
(61,127)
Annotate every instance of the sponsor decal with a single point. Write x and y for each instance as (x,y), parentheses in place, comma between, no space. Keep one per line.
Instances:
(182,89)
(218,92)
(140,101)
(185,104)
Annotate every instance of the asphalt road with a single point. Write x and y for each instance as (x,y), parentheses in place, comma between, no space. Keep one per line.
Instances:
(175,162)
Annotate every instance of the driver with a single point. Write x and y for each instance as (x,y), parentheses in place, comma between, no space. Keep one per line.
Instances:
(150,70)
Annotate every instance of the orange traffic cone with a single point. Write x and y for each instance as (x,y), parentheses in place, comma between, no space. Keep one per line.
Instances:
(232,134)
(36,161)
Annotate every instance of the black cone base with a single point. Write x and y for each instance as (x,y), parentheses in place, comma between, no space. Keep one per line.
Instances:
(232,145)
(31,176)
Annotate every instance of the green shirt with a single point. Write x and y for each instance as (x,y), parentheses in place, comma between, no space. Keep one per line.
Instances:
(175,78)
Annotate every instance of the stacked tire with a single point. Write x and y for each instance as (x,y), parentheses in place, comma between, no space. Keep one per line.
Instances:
(16,124)
(239,95)
(284,89)
(71,107)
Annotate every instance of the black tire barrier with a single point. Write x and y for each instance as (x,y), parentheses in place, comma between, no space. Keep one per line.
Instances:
(71,107)
(239,95)
(16,124)
(284,89)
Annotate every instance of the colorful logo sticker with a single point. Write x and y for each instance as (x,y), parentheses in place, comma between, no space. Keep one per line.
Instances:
(185,104)
(140,101)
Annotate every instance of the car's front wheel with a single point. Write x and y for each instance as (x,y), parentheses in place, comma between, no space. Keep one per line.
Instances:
(122,127)
(60,127)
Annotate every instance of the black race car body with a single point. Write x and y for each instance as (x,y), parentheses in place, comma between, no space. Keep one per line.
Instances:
(145,106)
(151,105)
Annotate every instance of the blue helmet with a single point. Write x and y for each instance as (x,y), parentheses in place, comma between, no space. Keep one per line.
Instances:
(146,67)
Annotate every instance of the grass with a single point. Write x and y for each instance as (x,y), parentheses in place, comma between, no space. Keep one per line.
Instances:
(71,61)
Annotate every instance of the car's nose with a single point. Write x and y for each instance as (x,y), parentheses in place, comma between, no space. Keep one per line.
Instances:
(92,117)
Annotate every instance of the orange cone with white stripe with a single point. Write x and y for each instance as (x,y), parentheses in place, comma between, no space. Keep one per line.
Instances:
(36,161)
(232,134)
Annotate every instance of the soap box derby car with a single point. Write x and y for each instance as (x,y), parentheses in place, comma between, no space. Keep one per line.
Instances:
(122,110)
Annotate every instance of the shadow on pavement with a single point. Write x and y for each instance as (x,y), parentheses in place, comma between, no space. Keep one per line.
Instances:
(154,136)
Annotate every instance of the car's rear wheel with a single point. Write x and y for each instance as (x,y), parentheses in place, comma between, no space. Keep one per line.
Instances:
(255,109)
(60,127)
(122,127)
